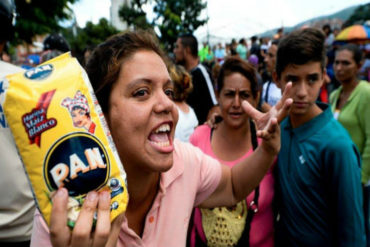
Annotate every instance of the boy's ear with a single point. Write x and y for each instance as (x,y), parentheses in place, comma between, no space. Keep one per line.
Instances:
(326,77)
(359,66)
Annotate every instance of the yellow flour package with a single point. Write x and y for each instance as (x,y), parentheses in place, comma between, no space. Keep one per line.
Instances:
(62,136)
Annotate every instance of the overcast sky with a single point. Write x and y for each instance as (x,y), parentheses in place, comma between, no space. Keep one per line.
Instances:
(237,18)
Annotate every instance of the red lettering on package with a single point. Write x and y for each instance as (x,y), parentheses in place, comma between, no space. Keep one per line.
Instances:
(35,122)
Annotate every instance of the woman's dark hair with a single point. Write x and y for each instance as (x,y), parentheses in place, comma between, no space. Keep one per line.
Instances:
(300,47)
(354,49)
(104,64)
(238,65)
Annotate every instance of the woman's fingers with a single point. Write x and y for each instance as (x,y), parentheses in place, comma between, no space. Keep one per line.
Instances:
(59,232)
(83,234)
(270,130)
(286,95)
(213,120)
(103,225)
(82,229)
(285,110)
(251,111)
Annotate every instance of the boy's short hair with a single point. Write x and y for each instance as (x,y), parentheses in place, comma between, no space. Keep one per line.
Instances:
(301,47)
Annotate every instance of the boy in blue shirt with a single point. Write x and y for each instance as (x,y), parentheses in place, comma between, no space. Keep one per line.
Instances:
(318,173)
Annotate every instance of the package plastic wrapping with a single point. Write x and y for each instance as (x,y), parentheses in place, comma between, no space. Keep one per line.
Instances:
(62,136)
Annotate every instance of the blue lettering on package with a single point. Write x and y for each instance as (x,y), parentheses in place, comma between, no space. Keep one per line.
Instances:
(1,88)
(39,72)
(3,123)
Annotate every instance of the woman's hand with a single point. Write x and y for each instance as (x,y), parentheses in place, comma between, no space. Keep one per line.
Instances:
(268,123)
(214,119)
(105,233)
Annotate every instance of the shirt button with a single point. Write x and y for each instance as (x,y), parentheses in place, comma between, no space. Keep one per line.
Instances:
(151,219)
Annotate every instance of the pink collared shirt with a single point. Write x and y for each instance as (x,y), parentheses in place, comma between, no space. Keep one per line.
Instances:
(192,179)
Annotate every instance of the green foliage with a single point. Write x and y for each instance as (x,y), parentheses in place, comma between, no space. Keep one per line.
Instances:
(89,36)
(172,17)
(359,16)
(40,17)
(134,14)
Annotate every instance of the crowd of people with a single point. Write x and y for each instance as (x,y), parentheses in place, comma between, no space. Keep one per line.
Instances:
(262,146)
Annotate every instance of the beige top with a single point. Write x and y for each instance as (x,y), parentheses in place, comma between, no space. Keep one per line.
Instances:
(16,204)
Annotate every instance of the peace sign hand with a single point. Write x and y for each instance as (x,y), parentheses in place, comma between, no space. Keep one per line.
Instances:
(267,123)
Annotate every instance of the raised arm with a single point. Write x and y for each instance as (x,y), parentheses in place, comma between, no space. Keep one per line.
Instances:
(237,182)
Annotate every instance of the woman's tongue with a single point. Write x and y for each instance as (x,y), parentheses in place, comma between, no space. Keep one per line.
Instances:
(158,137)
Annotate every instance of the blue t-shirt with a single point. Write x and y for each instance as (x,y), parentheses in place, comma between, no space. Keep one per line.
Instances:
(319,192)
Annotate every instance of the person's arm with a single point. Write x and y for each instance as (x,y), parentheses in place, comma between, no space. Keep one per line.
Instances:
(364,119)
(342,168)
(237,182)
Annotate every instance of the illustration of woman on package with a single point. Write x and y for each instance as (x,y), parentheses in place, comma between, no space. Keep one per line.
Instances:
(78,107)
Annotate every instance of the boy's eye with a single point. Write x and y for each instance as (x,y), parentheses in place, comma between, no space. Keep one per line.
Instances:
(313,79)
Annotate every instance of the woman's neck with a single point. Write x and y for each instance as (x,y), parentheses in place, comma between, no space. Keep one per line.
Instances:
(230,144)
(142,188)
(348,87)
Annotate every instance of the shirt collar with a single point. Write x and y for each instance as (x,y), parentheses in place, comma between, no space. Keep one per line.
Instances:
(356,91)
(308,129)
(176,170)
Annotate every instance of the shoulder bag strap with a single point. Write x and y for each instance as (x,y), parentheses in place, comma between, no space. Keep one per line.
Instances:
(253,206)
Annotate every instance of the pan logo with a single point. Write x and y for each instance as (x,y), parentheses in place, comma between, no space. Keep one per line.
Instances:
(39,72)
(78,162)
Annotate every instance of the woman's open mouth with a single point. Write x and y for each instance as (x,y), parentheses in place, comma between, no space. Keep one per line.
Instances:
(160,138)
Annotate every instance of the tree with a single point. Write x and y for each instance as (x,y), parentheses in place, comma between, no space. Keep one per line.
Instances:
(134,14)
(89,36)
(172,17)
(359,16)
(40,17)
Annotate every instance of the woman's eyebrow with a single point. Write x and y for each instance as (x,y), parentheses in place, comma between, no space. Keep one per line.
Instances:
(169,83)
(135,82)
